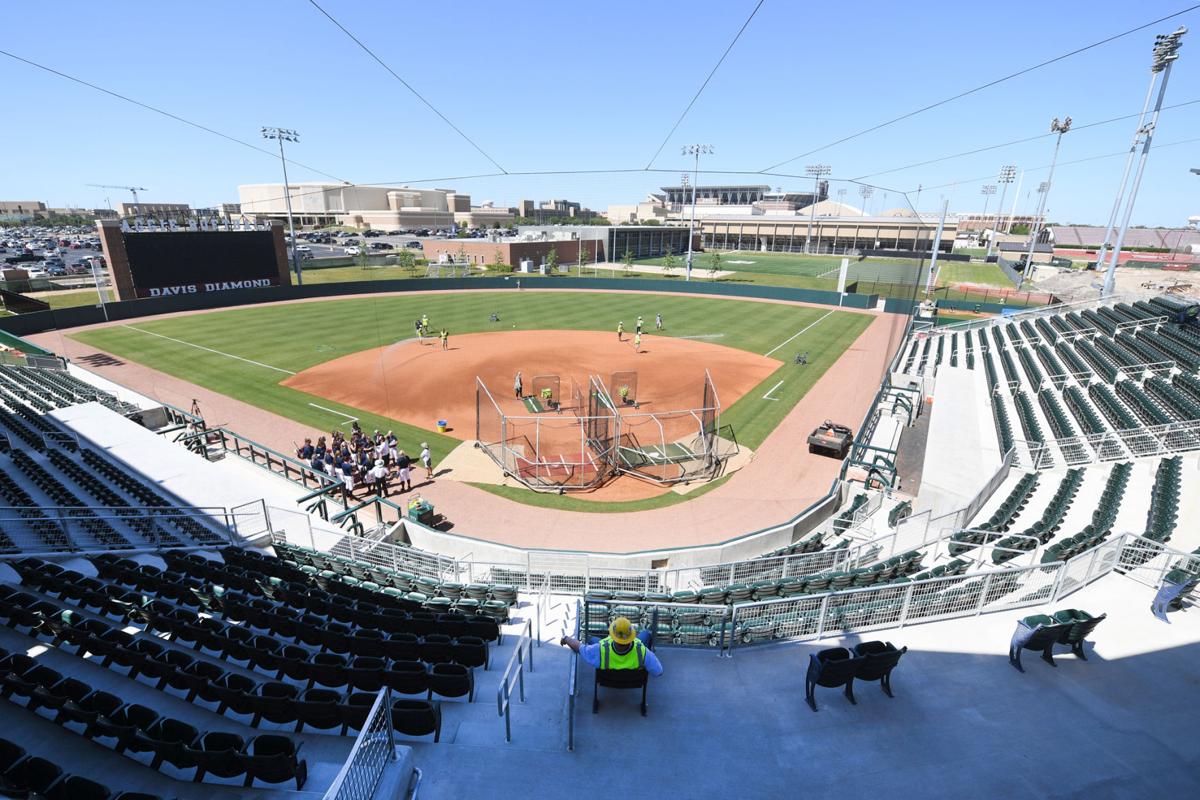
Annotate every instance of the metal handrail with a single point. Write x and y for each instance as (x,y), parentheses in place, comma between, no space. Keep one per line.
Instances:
(384,698)
(573,679)
(523,651)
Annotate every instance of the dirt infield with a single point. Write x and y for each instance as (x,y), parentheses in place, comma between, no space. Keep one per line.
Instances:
(419,383)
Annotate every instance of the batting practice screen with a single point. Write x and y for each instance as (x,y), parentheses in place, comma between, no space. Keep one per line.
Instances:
(189,262)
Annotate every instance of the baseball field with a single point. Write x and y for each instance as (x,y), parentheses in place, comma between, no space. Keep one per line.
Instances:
(325,363)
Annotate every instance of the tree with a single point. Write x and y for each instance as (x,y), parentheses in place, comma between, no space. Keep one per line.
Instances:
(498,258)
(406,260)
(650,221)
(627,260)
(462,232)
(1020,229)
(670,262)
(363,254)
(714,264)
(552,261)
(583,254)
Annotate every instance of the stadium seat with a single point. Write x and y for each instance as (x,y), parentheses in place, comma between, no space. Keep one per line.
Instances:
(417,718)
(831,668)
(1037,632)
(879,659)
(274,759)
(217,753)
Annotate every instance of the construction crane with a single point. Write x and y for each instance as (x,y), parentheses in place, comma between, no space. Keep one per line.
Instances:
(133,189)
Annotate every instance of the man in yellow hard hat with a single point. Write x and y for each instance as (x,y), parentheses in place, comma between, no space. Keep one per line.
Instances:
(621,649)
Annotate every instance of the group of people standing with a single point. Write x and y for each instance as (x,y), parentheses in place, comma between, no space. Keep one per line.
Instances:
(422,329)
(637,336)
(363,460)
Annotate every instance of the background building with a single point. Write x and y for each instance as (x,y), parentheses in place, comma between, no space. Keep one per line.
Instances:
(383,207)
(21,210)
(604,243)
(144,209)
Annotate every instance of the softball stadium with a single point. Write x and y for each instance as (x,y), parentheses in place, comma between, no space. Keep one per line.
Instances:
(1011,484)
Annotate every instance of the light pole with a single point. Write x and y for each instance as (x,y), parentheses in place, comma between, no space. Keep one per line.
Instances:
(1007,173)
(841,193)
(816,172)
(1044,189)
(282,135)
(1166,50)
(695,151)
(987,190)
(866,192)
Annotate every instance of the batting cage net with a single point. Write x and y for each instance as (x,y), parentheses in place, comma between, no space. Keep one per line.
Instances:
(604,432)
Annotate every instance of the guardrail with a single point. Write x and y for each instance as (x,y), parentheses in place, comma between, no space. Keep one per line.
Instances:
(374,747)
(518,662)
(810,617)
(675,624)
(1154,440)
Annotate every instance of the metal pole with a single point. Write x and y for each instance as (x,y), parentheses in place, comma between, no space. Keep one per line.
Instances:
(1036,230)
(1112,217)
(692,222)
(1012,212)
(1137,181)
(287,194)
(937,242)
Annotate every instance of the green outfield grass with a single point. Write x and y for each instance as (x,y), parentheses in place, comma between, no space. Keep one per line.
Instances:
(250,350)
(984,274)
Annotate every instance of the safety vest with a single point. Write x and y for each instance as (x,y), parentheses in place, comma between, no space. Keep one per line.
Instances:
(611,659)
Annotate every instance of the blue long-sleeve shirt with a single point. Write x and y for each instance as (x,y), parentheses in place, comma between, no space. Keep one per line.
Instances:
(591,654)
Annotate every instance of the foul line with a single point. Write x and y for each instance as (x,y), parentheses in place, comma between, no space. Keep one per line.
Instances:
(773,388)
(209,349)
(703,336)
(339,413)
(793,336)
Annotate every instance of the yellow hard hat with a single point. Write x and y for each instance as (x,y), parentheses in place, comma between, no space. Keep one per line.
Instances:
(621,630)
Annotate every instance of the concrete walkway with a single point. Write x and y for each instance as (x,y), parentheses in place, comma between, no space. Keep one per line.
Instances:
(782,480)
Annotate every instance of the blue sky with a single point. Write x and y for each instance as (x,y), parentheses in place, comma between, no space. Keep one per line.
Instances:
(569,86)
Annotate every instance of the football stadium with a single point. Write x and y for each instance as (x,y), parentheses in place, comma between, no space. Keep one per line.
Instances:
(359,491)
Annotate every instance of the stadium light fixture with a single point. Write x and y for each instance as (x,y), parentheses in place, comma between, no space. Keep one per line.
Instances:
(816,172)
(695,151)
(282,135)
(1060,127)
(866,192)
(1166,51)
(1008,173)
(987,190)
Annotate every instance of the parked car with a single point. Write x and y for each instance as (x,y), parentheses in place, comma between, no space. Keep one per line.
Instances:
(303,248)
(382,246)
(414,244)
(353,250)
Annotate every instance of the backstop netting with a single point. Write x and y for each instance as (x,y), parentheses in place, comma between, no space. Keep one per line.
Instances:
(623,387)
(672,446)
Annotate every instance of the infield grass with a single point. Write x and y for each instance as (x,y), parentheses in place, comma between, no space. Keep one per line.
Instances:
(245,352)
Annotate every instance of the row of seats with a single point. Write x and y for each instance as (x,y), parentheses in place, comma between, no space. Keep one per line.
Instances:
(81,516)
(62,388)
(306,616)
(1146,409)
(150,497)
(313,562)
(24,775)
(342,598)
(145,526)
(1061,427)
(1164,500)
(1178,404)
(138,729)
(1104,516)
(1013,504)
(200,679)
(845,520)
(1030,424)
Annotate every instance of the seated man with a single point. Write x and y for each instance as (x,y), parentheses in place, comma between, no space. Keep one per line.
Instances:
(621,649)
